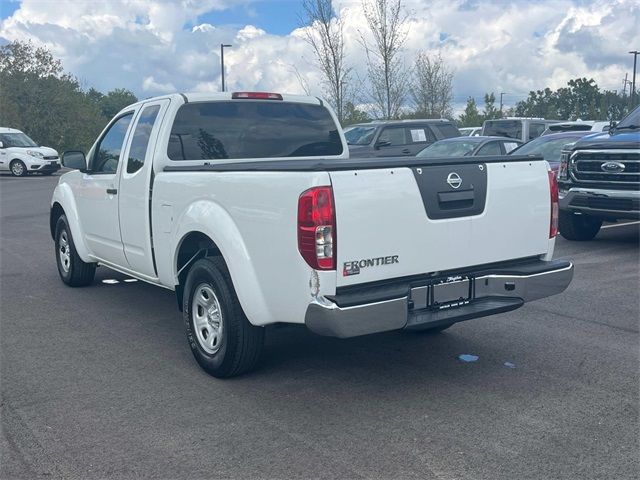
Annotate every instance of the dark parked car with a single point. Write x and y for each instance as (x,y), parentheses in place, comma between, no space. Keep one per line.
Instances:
(599,180)
(550,146)
(396,138)
(470,147)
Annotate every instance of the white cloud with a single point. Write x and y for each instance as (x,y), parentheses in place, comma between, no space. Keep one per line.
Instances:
(149,84)
(153,46)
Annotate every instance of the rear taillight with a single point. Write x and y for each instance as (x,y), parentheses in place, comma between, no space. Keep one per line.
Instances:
(317,228)
(256,95)
(553,189)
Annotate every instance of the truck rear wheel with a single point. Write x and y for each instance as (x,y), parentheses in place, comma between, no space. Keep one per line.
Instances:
(578,227)
(73,271)
(221,338)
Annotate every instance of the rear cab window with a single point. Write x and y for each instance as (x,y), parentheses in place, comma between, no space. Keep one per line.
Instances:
(240,129)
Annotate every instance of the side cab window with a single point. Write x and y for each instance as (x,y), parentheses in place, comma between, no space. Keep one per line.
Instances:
(394,135)
(420,134)
(106,155)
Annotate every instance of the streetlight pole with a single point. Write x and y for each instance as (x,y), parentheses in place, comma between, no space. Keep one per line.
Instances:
(222,46)
(501,94)
(633,81)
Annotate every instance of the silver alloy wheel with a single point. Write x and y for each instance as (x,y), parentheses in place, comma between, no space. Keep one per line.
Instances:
(207,318)
(17,168)
(63,251)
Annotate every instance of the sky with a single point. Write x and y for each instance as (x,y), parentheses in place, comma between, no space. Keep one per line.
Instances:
(158,46)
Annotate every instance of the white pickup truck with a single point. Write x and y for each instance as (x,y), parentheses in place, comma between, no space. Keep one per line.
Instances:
(248,207)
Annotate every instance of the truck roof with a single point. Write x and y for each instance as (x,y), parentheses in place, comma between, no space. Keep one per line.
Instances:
(219,96)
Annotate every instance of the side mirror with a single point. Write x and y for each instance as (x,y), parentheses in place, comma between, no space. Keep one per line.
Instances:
(382,143)
(612,125)
(74,159)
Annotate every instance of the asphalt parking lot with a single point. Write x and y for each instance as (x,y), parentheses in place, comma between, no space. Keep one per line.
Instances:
(100,383)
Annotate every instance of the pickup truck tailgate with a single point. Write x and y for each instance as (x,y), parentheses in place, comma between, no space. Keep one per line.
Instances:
(396,222)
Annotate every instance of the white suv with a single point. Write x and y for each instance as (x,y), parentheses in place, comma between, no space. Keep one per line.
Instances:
(21,155)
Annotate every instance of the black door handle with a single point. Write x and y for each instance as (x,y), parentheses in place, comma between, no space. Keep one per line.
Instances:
(406,150)
(112,191)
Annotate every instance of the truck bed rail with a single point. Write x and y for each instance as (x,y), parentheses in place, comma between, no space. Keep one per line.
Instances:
(312,164)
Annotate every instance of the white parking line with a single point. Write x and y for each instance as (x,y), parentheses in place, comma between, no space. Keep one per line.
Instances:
(621,224)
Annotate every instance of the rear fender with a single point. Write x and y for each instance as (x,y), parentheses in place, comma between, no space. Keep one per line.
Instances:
(211,219)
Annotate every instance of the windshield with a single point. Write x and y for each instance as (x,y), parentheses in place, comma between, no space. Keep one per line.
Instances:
(549,149)
(503,128)
(447,149)
(16,139)
(359,135)
(631,121)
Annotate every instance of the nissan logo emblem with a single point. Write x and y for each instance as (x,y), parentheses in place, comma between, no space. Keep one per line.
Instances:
(454,180)
(612,167)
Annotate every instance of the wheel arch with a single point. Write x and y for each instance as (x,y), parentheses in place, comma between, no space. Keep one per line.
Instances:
(55,213)
(63,203)
(218,236)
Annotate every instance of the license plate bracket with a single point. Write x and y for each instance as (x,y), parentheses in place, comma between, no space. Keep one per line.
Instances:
(452,292)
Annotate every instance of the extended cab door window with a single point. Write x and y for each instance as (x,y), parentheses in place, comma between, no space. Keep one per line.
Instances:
(141,135)
(107,153)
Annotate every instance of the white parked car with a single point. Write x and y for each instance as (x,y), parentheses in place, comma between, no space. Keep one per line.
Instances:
(470,131)
(247,206)
(21,155)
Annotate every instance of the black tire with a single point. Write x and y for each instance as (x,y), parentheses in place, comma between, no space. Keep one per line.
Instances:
(240,343)
(578,227)
(18,168)
(73,271)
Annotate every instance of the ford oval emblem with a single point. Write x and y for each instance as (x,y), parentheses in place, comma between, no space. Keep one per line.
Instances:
(454,180)
(612,167)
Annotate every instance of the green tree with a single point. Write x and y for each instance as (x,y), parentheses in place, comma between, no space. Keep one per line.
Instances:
(39,98)
(116,100)
(471,116)
(354,115)
(580,99)
(490,111)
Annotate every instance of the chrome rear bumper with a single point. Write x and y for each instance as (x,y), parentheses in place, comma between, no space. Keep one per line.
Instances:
(490,293)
